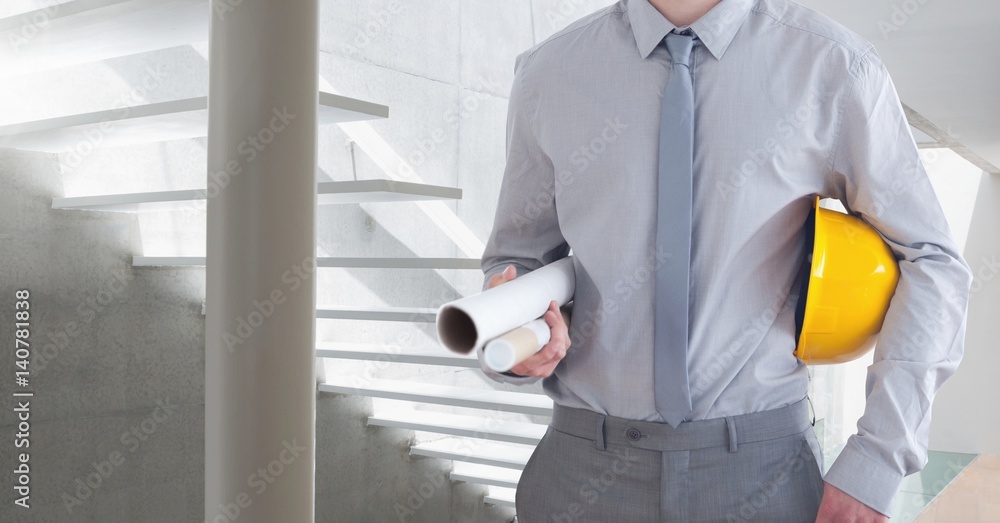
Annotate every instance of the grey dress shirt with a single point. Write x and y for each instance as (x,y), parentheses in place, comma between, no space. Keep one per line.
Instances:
(788,104)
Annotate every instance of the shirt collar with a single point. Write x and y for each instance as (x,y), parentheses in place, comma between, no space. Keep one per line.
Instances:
(715,29)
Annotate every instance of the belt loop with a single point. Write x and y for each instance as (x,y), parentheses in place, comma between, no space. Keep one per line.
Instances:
(599,433)
(731,425)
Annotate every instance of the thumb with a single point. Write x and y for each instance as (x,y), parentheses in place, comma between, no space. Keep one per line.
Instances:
(509,273)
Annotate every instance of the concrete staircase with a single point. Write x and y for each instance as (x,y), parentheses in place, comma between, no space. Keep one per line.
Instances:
(487,447)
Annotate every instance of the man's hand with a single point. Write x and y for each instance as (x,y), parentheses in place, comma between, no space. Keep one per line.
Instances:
(543,362)
(839,507)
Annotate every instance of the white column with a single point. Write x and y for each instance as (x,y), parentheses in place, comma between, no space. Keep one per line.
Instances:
(965,416)
(259,361)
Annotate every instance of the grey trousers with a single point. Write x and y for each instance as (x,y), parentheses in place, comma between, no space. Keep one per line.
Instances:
(765,466)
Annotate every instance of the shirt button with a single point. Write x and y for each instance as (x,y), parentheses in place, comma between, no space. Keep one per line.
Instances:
(633,434)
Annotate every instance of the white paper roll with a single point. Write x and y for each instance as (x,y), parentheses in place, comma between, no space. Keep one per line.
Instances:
(503,352)
(464,325)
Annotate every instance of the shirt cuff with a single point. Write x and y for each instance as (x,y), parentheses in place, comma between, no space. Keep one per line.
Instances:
(864,479)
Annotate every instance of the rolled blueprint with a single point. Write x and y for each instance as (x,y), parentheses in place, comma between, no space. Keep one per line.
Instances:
(504,352)
(466,324)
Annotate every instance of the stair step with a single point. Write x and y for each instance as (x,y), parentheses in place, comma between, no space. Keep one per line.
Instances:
(413,314)
(329,193)
(403,263)
(458,425)
(485,475)
(503,497)
(483,452)
(405,314)
(156,122)
(371,352)
(83,31)
(355,262)
(504,401)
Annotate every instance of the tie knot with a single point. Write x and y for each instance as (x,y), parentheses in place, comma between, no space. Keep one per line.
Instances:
(679,46)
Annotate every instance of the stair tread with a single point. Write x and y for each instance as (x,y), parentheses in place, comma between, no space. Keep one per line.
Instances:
(84,31)
(328,193)
(326,261)
(485,474)
(501,496)
(506,401)
(379,313)
(372,352)
(460,425)
(154,122)
(485,452)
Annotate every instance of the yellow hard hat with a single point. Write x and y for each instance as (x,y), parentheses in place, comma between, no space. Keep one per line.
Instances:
(848,279)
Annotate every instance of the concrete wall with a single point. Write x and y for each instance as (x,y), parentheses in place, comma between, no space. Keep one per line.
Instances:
(134,360)
(117,420)
(965,416)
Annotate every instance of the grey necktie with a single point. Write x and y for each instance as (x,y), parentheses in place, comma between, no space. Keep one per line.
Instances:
(673,235)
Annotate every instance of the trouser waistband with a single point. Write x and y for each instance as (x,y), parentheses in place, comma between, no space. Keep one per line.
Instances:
(727,431)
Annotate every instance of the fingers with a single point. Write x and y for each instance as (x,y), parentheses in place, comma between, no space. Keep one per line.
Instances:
(554,318)
(509,273)
(545,361)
